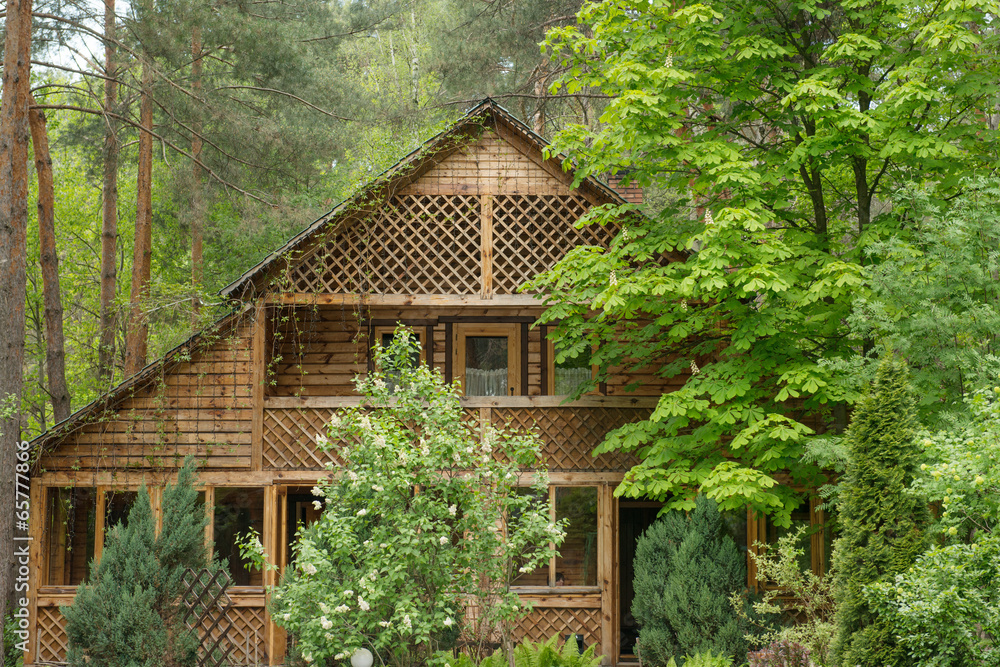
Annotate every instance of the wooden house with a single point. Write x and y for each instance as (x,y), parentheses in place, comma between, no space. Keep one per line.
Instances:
(441,242)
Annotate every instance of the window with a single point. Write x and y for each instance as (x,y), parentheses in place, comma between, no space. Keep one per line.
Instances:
(117,505)
(236,512)
(384,336)
(577,562)
(566,376)
(71,527)
(816,541)
(487,359)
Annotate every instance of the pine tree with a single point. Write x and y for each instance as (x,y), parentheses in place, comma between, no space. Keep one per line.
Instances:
(685,571)
(882,524)
(129,612)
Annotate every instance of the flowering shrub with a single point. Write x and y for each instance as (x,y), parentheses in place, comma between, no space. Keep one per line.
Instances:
(782,653)
(422,529)
(788,590)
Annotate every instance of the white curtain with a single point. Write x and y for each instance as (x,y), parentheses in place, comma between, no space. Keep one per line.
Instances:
(568,379)
(485,383)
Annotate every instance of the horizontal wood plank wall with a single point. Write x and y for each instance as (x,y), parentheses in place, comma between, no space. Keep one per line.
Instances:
(200,407)
(487,166)
(317,351)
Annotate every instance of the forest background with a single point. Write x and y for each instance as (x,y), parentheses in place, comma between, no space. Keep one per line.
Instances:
(264,116)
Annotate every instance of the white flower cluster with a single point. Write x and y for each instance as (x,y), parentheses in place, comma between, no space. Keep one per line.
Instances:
(709,220)
(613,278)
(670,60)
(309,569)
(321,441)
(363,604)
(694,368)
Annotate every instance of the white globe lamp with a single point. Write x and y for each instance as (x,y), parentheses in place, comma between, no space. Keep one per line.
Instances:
(362,658)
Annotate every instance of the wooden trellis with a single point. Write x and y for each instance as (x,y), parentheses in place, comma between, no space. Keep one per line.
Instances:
(208,607)
(543,622)
(569,435)
(415,244)
(533,232)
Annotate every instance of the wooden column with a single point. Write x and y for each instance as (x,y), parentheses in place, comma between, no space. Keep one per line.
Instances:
(606,541)
(258,376)
(36,526)
(486,267)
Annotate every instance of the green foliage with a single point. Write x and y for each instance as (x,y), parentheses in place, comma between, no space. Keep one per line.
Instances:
(686,570)
(550,654)
(946,607)
(706,659)
(934,296)
(777,128)
(409,533)
(12,656)
(801,595)
(128,613)
(882,521)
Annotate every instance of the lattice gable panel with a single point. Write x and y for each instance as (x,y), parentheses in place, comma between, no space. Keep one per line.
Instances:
(414,244)
(490,165)
(533,232)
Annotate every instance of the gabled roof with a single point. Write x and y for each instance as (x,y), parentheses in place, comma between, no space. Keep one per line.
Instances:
(485,114)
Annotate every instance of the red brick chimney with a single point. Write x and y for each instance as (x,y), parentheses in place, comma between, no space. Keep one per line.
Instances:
(631,193)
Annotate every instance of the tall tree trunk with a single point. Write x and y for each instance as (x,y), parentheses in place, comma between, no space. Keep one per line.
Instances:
(197,207)
(414,62)
(109,207)
(55,349)
(14,136)
(138,326)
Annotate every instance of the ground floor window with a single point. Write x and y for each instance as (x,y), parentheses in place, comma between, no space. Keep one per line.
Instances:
(236,512)
(71,531)
(577,562)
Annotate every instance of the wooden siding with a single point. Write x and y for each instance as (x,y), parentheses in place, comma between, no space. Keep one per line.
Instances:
(200,407)
(490,165)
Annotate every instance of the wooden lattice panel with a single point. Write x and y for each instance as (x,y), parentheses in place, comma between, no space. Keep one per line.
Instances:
(533,232)
(247,636)
(570,435)
(414,244)
(290,438)
(51,635)
(543,622)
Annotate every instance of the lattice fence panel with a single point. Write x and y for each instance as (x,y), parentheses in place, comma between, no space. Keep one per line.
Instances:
(51,635)
(290,438)
(247,636)
(543,622)
(415,244)
(533,232)
(571,434)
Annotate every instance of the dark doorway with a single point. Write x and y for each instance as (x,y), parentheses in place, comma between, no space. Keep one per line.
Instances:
(634,517)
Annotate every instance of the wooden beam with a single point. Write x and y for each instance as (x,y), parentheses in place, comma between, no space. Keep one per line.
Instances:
(486,248)
(258,378)
(607,576)
(376,300)
(449,351)
(524,358)
(588,401)
(545,358)
(36,533)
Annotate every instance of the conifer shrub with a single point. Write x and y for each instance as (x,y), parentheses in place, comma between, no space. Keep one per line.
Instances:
(687,568)
(128,613)
(882,521)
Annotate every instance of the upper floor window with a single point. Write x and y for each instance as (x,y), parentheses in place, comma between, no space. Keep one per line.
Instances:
(384,337)
(487,359)
(570,374)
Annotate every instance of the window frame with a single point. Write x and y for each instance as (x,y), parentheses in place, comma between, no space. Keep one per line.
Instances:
(379,331)
(550,380)
(757,535)
(511,332)
(551,588)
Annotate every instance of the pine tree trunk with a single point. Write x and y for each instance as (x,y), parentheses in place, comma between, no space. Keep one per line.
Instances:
(197,208)
(109,208)
(136,341)
(55,349)
(14,135)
